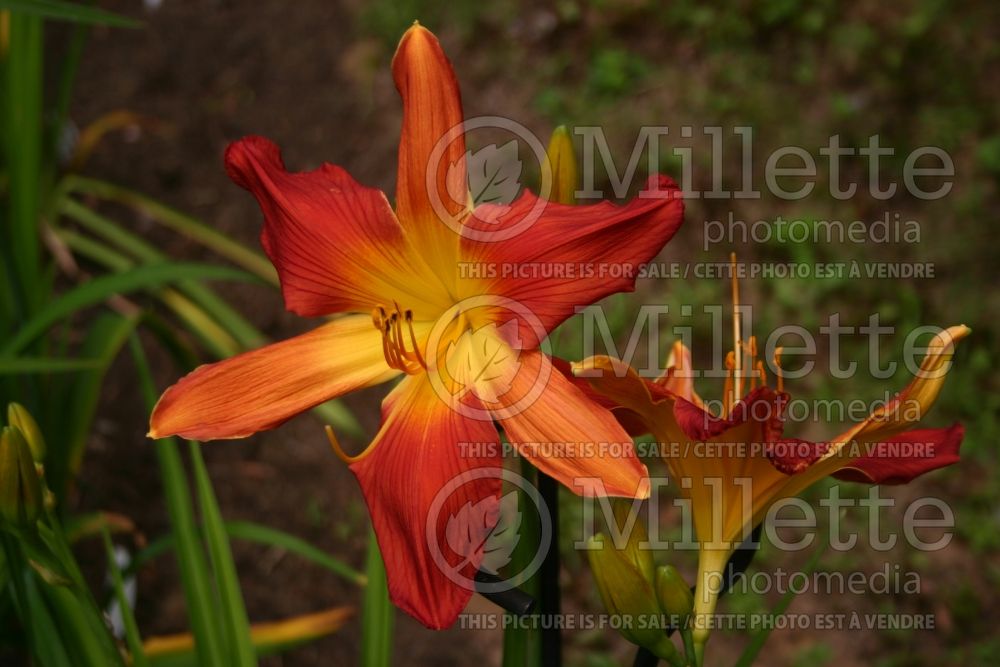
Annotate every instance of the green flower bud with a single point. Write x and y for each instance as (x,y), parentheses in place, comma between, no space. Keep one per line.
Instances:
(20,489)
(674,593)
(18,415)
(628,594)
(629,524)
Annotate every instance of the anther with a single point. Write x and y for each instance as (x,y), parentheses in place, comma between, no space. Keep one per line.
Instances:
(780,381)
(394,340)
(413,339)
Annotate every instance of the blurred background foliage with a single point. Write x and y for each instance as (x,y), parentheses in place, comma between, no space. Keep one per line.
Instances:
(113,127)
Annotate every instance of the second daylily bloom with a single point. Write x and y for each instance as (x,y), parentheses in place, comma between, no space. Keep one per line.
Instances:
(731,486)
(467,347)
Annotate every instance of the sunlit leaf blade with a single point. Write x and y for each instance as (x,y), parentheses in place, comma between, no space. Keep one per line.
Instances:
(99,289)
(201,309)
(268,638)
(251,260)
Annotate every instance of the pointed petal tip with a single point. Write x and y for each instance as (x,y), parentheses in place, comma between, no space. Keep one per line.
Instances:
(415,37)
(642,492)
(631,486)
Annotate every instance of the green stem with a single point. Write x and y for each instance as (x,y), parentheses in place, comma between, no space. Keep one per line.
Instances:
(521,646)
(377,618)
(689,649)
(549,598)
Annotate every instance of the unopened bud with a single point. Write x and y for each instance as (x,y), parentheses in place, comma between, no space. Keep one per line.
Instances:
(18,415)
(674,593)
(562,166)
(629,595)
(20,489)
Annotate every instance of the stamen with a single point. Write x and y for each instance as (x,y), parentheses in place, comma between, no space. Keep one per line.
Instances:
(393,340)
(737,388)
(762,373)
(751,361)
(397,330)
(413,339)
(339,451)
(388,347)
(378,317)
(728,400)
(780,381)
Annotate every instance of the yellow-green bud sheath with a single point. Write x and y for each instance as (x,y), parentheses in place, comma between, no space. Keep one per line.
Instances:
(629,525)
(673,592)
(18,415)
(20,489)
(629,595)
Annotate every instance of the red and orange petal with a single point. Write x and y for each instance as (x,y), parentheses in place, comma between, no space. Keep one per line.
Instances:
(896,460)
(678,377)
(431,178)
(261,389)
(433,491)
(588,252)
(566,435)
(336,244)
(912,403)
(763,406)
(906,456)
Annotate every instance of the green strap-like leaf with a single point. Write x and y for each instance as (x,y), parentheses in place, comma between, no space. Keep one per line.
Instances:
(99,289)
(132,636)
(234,618)
(255,532)
(377,615)
(68,11)
(202,605)
(25,365)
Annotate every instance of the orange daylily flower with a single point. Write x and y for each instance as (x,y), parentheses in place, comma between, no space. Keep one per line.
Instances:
(731,487)
(467,347)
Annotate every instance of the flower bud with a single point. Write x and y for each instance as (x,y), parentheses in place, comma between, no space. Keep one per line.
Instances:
(561,159)
(674,593)
(627,593)
(20,489)
(630,525)
(18,415)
